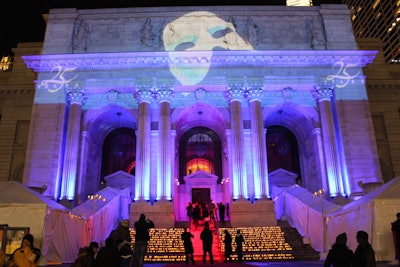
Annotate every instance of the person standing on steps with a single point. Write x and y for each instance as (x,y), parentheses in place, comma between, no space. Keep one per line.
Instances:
(207,237)
(228,246)
(239,239)
(188,245)
(221,211)
(142,238)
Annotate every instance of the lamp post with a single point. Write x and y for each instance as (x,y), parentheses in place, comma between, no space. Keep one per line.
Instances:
(320,194)
(94,198)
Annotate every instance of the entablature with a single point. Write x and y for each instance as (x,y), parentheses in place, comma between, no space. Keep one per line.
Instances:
(200,59)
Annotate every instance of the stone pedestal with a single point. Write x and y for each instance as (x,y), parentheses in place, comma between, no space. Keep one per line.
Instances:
(161,213)
(247,214)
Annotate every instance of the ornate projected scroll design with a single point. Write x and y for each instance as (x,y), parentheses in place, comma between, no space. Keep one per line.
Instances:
(58,81)
(342,77)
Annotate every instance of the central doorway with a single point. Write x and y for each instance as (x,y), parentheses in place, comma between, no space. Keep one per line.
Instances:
(200,195)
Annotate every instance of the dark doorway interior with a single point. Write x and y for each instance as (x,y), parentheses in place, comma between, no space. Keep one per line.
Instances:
(200,195)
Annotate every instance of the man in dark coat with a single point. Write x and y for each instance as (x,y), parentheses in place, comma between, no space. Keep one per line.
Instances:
(142,238)
(108,256)
(188,245)
(239,239)
(207,237)
(121,232)
(221,211)
(339,255)
(364,256)
(228,246)
(396,238)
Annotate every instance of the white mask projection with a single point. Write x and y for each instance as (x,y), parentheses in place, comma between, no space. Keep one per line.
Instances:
(199,31)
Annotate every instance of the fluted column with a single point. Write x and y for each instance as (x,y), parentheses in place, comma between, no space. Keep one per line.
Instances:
(323,94)
(238,166)
(144,96)
(164,171)
(76,98)
(259,150)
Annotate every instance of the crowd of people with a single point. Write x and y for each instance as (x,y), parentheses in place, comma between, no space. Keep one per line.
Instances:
(206,210)
(117,251)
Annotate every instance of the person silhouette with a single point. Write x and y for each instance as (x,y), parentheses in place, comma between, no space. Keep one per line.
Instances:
(228,245)
(339,255)
(364,255)
(239,239)
(142,238)
(188,245)
(396,238)
(207,237)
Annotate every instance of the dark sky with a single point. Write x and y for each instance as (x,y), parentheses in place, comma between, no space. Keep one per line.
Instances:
(24,22)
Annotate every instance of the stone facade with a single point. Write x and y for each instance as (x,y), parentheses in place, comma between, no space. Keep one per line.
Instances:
(107,57)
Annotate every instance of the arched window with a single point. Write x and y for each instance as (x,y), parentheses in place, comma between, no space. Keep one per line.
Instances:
(200,149)
(282,150)
(119,152)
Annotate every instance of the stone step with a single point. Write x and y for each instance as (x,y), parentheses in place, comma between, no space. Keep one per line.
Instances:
(274,243)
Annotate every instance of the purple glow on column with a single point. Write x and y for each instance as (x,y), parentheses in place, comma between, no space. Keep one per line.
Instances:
(333,186)
(160,182)
(234,179)
(137,190)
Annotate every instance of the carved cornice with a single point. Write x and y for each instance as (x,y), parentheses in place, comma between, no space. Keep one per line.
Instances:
(220,59)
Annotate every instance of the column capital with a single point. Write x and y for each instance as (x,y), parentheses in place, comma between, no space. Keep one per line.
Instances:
(144,93)
(254,91)
(164,93)
(323,91)
(235,92)
(76,95)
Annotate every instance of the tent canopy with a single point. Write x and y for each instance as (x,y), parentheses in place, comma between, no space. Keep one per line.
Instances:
(16,194)
(46,219)
(372,213)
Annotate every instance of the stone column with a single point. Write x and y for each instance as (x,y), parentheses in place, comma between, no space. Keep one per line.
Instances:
(144,96)
(323,94)
(237,162)
(76,98)
(259,150)
(164,95)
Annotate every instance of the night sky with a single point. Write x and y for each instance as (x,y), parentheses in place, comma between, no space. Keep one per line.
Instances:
(24,23)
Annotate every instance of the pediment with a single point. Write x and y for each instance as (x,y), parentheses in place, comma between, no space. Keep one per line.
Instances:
(282,173)
(120,179)
(201,174)
(119,175)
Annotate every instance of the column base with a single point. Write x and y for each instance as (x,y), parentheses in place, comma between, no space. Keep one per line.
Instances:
(161,213)
(247,214)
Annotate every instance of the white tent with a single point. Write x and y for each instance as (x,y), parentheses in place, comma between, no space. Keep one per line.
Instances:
(304,211)
(50,223)
(372,213)
(104,211)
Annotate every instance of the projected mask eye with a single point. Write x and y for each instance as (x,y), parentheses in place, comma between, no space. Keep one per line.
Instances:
(199,31)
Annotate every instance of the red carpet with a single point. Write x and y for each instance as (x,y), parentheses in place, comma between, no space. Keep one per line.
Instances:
(197,243)
(217,264)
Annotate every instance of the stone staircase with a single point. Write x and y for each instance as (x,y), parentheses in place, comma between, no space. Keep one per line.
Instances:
(274,243)
(301,251)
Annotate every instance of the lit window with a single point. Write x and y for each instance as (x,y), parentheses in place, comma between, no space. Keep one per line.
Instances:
(198,164)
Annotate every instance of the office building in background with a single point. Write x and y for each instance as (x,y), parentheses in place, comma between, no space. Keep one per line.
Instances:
(378,19)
